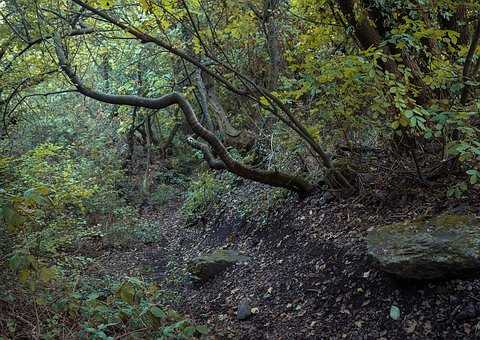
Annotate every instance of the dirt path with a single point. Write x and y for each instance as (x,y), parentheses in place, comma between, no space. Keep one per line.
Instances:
(308,277)
(148,255)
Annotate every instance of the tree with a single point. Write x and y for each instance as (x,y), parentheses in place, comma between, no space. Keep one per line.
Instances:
(321,68)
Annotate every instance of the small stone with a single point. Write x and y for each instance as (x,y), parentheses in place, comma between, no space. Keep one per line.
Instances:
(427,326)
(243,311)
(468,312)
(359,323)
(467,328)
(411,326)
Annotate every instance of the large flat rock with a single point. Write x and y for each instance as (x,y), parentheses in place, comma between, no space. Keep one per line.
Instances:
(446,246)
(207,266)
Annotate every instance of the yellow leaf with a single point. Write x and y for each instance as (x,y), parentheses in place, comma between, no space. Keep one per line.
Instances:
(40,301)
(103,4)
(264,101)
(146,5)
(24,275)
(164,23)
(47,274)
(127,293)
(403,121)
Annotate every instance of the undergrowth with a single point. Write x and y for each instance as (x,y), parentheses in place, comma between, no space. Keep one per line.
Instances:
(204,193)
(57,201)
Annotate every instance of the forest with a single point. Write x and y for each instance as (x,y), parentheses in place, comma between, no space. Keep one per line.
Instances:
(239,169)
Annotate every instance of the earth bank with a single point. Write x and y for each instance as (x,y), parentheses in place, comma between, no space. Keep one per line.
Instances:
(309,276)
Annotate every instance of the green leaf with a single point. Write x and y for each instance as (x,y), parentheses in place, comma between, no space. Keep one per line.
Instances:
(127,293)
(202,329)
(395,125)
(24,275)
(18,261)
(158,313)
(264,101)
(189,331)
(35,196)
(173,315)
(182,324)
(106,4)
(12,218)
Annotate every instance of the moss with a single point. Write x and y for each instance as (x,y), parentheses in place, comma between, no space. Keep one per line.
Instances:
(441,246)
(437,223)
(453,220)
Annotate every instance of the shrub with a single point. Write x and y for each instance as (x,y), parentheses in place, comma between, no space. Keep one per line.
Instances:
(163,195)
(202,194)
(56,201)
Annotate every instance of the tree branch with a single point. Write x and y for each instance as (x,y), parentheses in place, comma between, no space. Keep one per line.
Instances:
(31,43)
(290,120)
(212,162)
(146,38)
(273,178)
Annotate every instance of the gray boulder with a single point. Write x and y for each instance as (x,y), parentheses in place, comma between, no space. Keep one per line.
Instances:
(446,246)
(205,267)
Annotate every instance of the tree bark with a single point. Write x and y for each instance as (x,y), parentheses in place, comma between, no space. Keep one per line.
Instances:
(367,35)
(273,42)
(212,162)
(131,137)
(166,144)
(467,68)
(203,99)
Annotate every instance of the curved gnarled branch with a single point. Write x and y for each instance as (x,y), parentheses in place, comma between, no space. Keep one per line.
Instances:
(212,162)
(287,117)
(273,178)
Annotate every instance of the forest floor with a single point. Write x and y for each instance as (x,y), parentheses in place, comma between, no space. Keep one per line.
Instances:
(309,276)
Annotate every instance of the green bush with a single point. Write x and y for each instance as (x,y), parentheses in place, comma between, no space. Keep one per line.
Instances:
(202,193)
(163,195)
(58,201)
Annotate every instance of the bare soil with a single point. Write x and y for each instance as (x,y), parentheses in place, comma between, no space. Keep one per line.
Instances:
(309,276)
